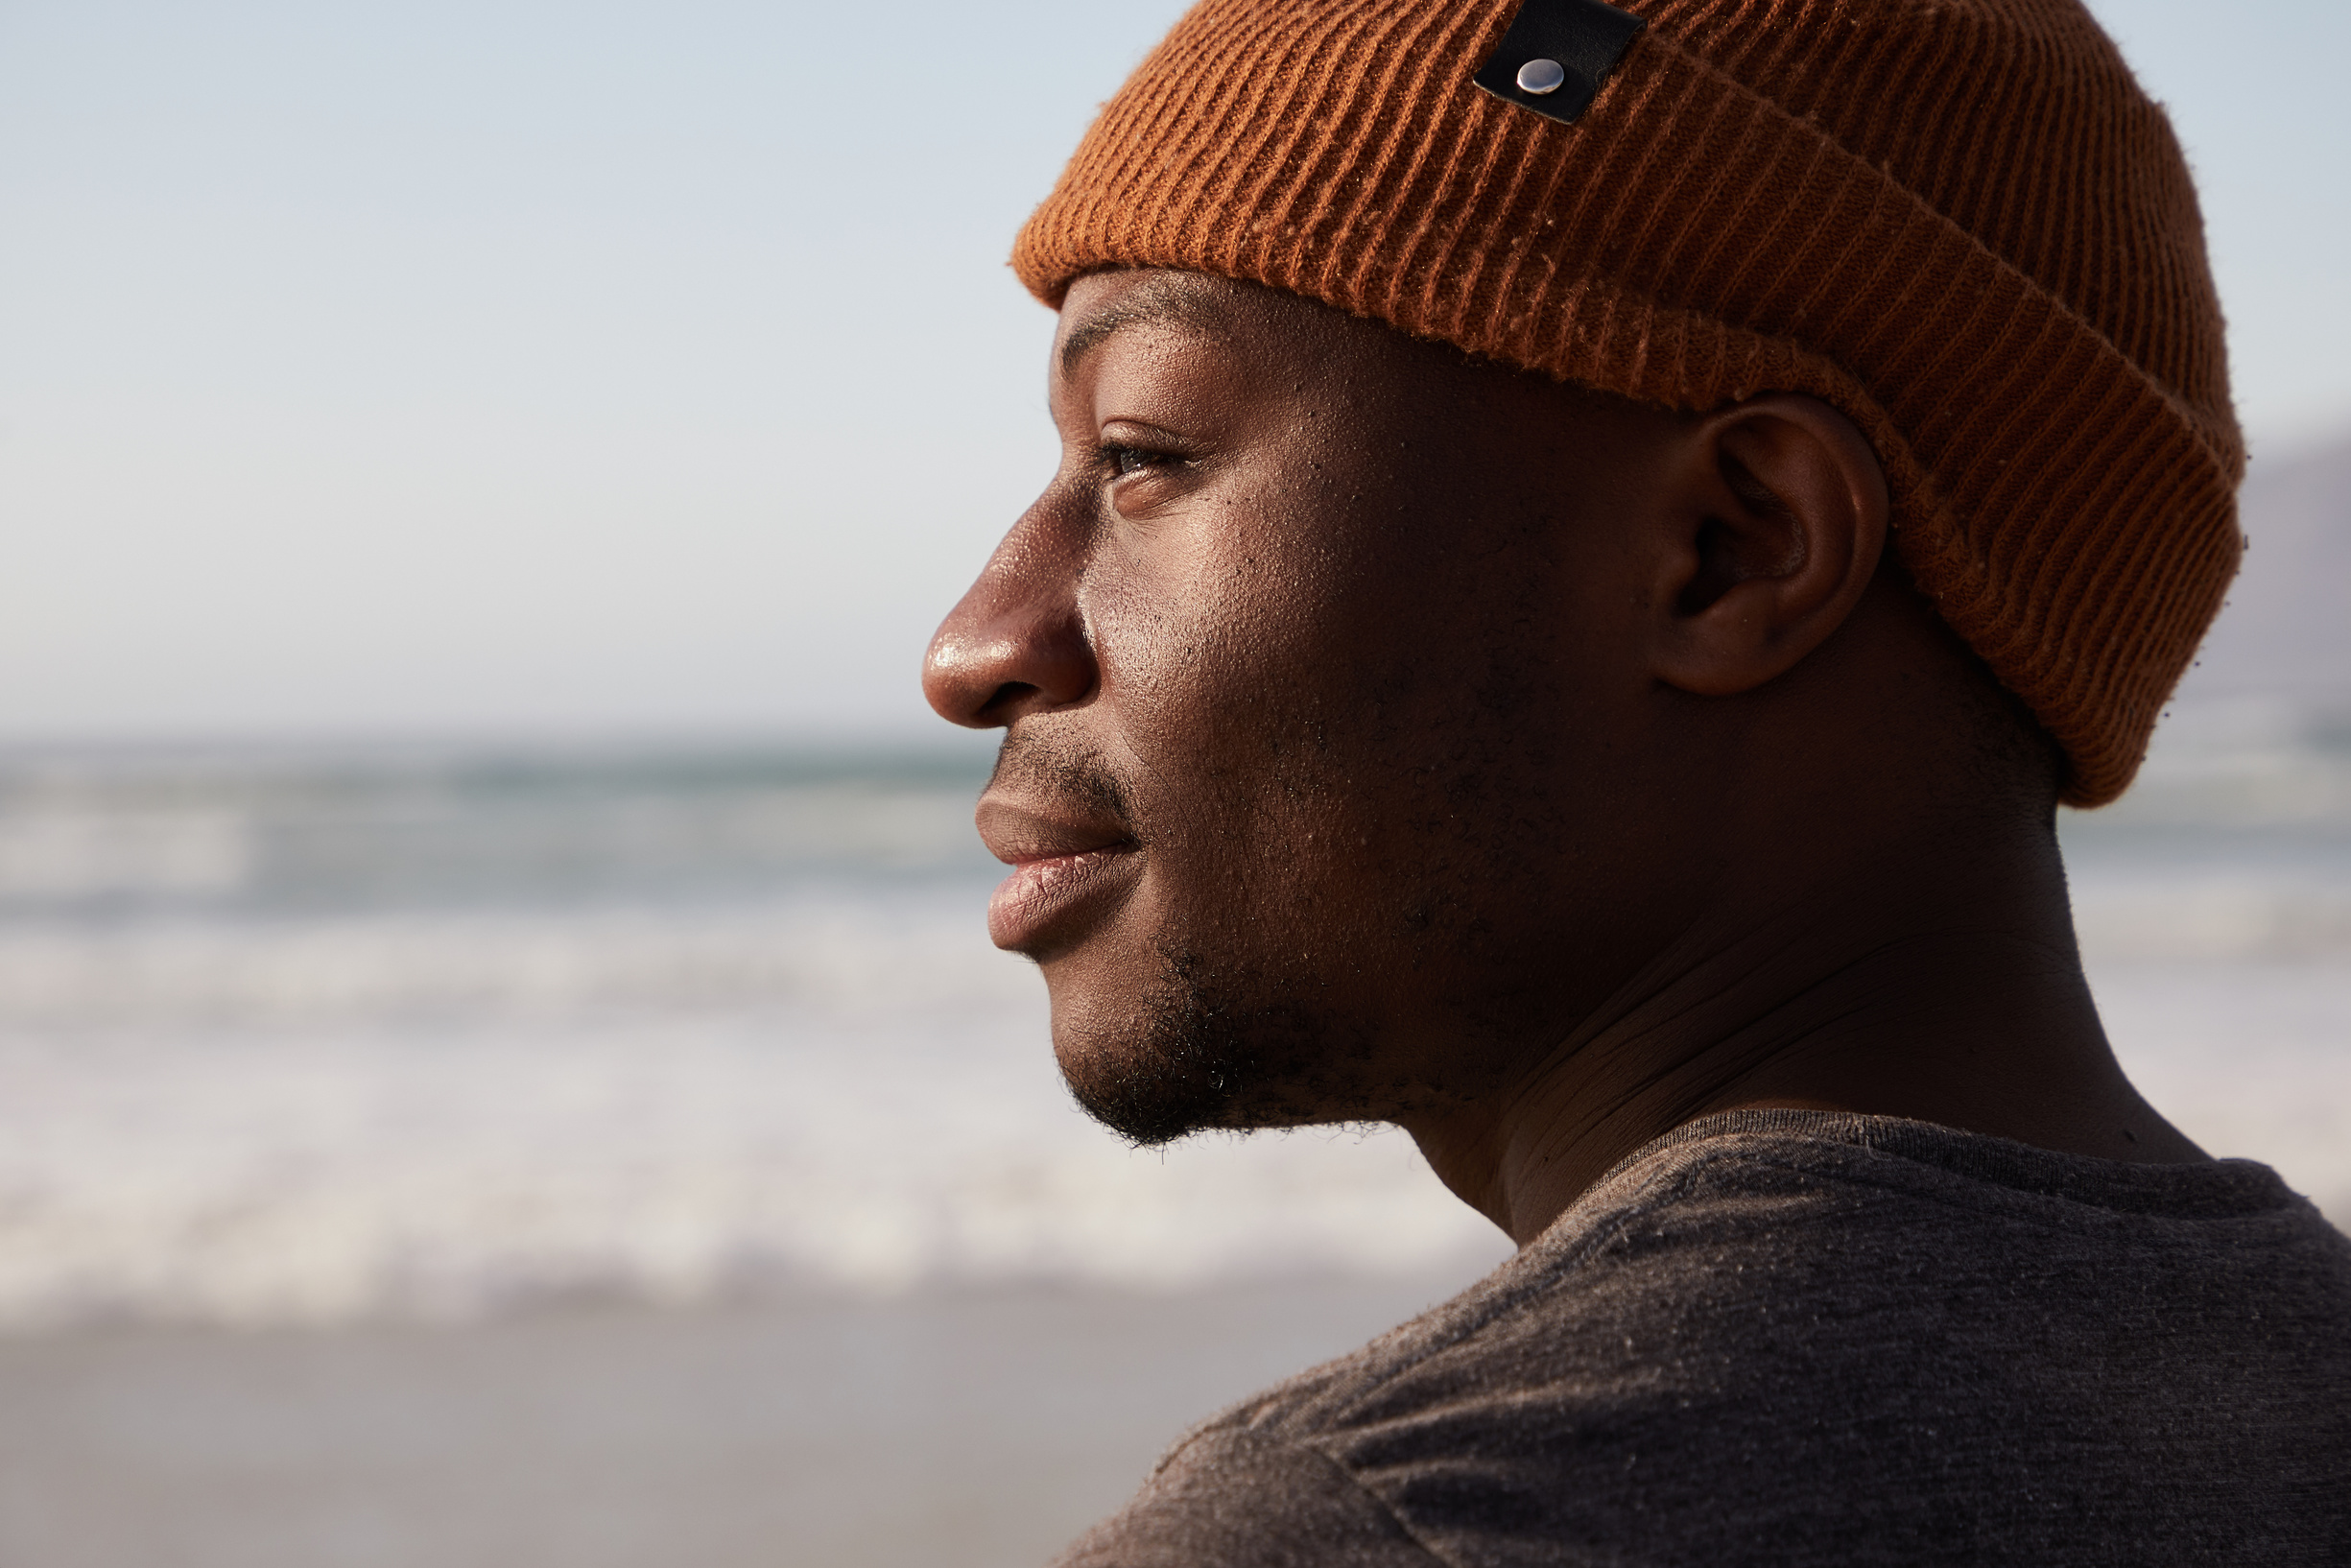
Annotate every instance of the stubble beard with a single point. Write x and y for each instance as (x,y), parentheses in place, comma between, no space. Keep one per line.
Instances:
(1207,1053)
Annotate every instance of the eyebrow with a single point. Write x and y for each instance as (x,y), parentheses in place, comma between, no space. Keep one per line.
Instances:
(1171,304)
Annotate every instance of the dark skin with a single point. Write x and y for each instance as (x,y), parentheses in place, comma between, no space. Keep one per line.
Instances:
(1393,736)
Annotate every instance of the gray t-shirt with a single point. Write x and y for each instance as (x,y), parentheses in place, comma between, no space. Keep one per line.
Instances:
(1794,1337)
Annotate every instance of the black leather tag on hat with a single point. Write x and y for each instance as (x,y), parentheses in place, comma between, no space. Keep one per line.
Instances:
(1556,55)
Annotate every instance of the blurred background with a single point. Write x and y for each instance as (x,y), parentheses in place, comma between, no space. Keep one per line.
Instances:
(499,1057)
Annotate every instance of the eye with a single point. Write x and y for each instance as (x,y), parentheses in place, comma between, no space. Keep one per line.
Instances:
(1118,460)
(1122,461)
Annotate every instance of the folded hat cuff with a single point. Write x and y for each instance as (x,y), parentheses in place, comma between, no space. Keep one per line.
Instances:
(1690,243)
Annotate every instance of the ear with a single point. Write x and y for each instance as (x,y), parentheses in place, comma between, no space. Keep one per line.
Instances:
(1776,524)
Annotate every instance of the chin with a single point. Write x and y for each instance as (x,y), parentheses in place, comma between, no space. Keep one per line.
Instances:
(1191,1053)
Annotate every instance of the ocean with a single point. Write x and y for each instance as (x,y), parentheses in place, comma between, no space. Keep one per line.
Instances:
(308,1037)
(496,1157)
(294,1038)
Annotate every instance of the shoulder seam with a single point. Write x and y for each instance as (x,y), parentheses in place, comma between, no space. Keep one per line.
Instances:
(1355,1483)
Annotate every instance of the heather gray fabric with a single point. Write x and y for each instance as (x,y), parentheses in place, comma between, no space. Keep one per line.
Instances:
(1792,1336)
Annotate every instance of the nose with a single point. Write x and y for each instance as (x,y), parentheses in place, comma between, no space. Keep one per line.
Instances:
(1017,643)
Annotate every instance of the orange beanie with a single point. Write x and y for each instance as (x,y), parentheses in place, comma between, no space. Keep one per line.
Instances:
(1958,221)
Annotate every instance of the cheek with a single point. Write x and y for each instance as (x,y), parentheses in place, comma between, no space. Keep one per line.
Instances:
(1297,737)
(1214,634)
(1355,729)
(1230,676)
(1372,782)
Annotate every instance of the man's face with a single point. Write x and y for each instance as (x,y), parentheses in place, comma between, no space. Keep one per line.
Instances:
(1332,775)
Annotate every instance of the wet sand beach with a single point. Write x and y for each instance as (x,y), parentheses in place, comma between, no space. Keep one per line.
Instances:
(977,1427)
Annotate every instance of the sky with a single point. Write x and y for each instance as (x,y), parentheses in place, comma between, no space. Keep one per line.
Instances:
(510,367)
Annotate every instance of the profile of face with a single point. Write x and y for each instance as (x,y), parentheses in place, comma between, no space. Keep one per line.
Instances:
(1342,679)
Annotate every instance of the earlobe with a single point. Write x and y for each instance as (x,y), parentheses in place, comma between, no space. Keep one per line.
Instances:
(1776,524)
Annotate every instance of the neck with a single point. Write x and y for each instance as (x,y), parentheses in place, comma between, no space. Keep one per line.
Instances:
(1936,979)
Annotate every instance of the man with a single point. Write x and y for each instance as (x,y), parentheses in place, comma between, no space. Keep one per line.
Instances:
(1590,544)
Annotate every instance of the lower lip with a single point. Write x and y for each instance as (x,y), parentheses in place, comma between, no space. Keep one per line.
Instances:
(1041,894)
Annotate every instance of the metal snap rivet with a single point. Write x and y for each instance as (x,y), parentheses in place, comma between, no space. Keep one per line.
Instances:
(1541,76)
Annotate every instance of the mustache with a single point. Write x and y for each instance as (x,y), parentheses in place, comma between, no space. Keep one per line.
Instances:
(1037,767)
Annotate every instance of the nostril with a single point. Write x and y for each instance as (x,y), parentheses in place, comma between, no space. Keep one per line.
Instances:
(1006,696)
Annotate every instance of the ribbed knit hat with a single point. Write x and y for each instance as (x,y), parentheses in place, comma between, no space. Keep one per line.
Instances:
(1958,221)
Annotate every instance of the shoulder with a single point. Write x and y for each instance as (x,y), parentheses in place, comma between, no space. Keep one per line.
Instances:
(1947,1326)
(1234,1497)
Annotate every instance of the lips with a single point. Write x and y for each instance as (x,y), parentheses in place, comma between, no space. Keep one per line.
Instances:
(1066,874)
